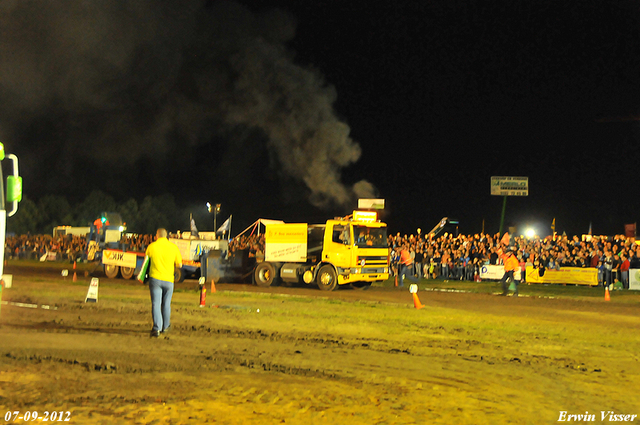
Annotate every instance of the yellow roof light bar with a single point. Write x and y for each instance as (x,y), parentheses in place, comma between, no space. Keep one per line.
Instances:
(365,216)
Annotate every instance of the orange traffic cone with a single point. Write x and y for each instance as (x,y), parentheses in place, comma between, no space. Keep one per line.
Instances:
(213,286)
(413,288)
(416,301)
(606,294)
(75,277)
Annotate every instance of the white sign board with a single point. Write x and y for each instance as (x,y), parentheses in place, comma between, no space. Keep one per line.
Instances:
(509,186)
(92,293)
(371,204)
(492,272)
(634,279)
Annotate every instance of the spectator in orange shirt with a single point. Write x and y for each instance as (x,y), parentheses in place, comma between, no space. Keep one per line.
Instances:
(510,266)
(406,266)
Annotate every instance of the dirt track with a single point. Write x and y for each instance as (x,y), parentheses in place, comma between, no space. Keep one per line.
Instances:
(312,357)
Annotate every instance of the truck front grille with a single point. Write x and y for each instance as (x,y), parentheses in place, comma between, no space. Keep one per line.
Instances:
(372,260)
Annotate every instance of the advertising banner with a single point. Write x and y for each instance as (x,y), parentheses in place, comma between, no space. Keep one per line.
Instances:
(566,275)
(492,272)
(286,242)
(119,258)
(634,279)
(509,186)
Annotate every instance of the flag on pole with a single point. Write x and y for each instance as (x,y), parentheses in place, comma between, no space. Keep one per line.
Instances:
(225,226)
(194,229)
(553,225)
(589,228)
(505,239)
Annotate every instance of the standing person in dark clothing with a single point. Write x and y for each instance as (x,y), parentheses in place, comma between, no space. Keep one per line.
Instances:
(493,258)
(607,262)
(417,262)
(615,276)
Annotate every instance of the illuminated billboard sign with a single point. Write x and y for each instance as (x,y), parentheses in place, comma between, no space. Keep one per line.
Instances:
(510,186)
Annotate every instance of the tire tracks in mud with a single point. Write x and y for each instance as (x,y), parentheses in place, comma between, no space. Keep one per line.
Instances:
(355,360)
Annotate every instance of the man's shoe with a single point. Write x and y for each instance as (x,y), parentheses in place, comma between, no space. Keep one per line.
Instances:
(504,294)
(154,334)
(165,331)
(515,294)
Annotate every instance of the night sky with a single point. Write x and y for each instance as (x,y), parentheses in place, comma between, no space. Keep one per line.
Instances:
(293,109)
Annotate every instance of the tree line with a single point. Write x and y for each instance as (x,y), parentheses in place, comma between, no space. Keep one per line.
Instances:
(41,216)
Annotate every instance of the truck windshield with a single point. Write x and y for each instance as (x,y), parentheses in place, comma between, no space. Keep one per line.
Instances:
(370,237)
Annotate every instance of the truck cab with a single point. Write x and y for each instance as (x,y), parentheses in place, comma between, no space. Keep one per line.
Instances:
(358,252)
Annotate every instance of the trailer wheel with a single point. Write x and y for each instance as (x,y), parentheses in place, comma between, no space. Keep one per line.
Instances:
(265,274)
(127,272)
(178,275)
(111,271)
(327,278)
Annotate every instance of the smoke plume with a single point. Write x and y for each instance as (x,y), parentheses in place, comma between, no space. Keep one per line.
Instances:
(119,81)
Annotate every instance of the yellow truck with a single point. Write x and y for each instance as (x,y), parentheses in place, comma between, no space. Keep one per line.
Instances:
(350,250)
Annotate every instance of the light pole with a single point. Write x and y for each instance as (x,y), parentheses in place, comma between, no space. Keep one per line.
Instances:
(215,209)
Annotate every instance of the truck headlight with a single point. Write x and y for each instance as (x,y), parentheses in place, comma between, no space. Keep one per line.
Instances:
(355,271)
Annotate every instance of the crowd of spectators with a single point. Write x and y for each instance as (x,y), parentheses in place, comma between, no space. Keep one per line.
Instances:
(33,247)
(74,248)
(63,247)
(460,257)
(253,243)
(445,256)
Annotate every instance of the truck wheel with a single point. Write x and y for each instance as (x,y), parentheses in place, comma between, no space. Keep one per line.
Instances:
(265,274)
(178,275)
(327,278)
(111,271)
(127,272)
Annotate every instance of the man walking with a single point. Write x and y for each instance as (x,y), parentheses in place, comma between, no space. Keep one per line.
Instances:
(510,266)
(164,256)
(406,266)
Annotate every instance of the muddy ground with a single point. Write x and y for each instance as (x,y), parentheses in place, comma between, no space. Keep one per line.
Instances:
(302,356)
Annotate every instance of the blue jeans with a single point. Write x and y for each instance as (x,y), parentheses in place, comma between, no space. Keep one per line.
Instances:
(161,292)
(445,271)
(624,277)
(408,271)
